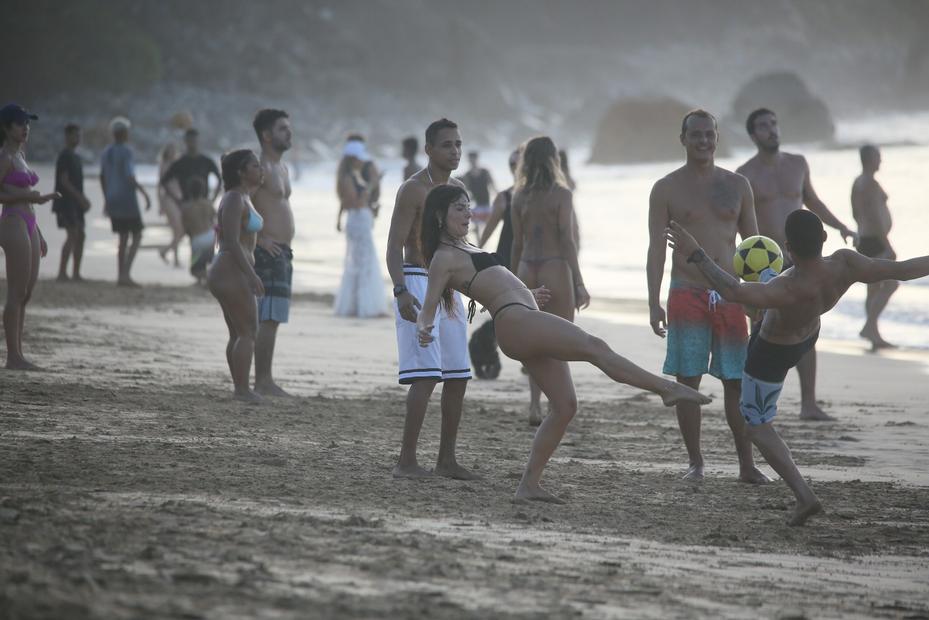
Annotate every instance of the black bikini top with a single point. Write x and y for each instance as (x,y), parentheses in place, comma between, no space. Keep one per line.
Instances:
(481,261)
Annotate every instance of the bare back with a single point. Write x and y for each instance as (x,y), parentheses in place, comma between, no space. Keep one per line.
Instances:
(539,215)
(813,291)
(272,201)
(713,207)
(778,189)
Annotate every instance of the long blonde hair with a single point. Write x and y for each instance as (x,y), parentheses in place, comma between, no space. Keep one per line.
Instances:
(539,167)
(344,169)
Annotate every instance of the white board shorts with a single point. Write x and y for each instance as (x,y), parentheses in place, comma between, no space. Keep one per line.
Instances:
(446,357)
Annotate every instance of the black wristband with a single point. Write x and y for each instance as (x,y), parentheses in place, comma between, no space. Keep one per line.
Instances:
(400,289)
(697,256)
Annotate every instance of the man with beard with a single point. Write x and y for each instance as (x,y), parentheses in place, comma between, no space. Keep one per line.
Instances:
(273,253)
(781,185)
(705,333)
(446,357)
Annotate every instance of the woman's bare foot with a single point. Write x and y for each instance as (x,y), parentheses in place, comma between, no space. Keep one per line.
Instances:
(411,471)
(753,476)
(77,278)
(535,415)
(805,510)
(675,393)
(271,389)
(248,396)
(163,253)
(455,472)
(20,363)
(128,282)
(694,473)
(524,494)
(62,277)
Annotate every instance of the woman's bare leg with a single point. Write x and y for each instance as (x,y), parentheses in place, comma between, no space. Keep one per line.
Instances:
(554,377)
(526,334)
(241,314)
(17,246)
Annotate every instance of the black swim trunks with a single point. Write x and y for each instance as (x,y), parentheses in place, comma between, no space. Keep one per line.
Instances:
(871,246)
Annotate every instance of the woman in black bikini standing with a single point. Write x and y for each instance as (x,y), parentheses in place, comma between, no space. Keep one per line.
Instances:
(544,246)
(544,343)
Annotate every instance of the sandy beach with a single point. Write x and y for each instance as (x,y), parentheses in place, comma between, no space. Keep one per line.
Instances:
(132,485)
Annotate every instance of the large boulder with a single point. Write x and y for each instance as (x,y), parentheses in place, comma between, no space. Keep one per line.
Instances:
(801,115)
(643,130)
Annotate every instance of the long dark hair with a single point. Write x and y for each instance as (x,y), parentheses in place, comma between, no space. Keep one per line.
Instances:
(433,221)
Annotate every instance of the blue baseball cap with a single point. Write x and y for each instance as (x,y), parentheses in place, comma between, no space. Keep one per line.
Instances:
(15,113)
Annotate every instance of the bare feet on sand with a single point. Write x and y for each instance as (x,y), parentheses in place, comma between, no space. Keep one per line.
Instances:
(694,473)
(455,472)
(675,393)
(271,389)
(21,364)
(128,282)
(805,510)
(411,471)
(62,277)
(812,411)
(525,494)
(535,415)
(248,396)
(753,476)
(877,341)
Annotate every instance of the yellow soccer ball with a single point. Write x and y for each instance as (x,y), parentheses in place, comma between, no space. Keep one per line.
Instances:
(756,254)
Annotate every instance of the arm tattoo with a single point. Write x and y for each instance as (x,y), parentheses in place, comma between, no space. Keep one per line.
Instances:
(721,280)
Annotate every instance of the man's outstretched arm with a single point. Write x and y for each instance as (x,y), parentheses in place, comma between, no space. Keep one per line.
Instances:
(868,270)
(773,294)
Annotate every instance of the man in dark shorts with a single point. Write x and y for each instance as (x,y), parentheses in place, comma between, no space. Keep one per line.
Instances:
(794,301)
(781,184)
(117,178)
(70,208)
(192,164)
(869,208)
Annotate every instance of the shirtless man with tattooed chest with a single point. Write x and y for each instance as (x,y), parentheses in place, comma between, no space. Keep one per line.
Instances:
(704,332)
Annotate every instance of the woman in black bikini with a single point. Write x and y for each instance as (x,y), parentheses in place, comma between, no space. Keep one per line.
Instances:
(544,244)
(544,343)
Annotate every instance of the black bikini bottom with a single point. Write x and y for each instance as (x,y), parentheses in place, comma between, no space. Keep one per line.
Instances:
(505,306)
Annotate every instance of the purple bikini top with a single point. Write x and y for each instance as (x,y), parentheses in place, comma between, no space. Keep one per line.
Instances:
(21,178)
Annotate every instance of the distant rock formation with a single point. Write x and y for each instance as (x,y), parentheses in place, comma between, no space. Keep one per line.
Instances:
(802,116)
(643,130)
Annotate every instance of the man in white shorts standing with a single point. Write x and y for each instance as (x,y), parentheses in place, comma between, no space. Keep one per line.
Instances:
(446,358)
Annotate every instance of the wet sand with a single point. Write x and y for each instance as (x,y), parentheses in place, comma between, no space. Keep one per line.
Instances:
(132,486)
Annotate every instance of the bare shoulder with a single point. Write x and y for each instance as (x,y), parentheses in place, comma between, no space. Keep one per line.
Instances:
(749,167)
(457,182)
(795,160)
(561,193)
(412,191)
(443,259)
(665,183)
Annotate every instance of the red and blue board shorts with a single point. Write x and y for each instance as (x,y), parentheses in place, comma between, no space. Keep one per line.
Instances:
(705,334)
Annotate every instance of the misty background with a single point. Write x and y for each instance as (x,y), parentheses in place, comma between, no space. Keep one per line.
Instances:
(503,70)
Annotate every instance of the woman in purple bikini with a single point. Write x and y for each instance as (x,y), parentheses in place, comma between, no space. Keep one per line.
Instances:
(20,237)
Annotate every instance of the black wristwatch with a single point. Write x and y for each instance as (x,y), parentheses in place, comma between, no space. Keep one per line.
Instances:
(399,290)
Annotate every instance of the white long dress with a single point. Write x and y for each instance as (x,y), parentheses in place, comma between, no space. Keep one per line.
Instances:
(362,292)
